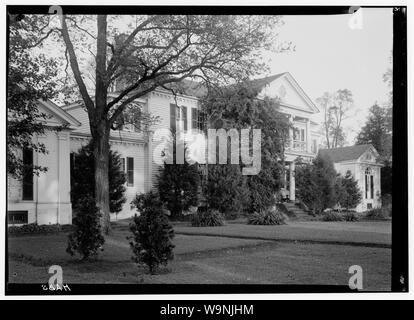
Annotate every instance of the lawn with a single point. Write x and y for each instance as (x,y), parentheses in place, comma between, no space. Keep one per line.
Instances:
(364,233)
(204,259)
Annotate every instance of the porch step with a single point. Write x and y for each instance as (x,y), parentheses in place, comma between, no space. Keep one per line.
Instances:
(295,212)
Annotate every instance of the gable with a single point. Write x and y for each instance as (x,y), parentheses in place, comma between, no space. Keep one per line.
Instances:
(370,155)
(56,115)
(288,91)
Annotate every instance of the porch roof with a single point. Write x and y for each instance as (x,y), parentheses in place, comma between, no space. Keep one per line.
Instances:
(345,153)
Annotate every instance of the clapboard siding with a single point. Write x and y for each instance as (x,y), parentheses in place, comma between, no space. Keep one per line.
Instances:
(137,152)
(159,105)
(134,144)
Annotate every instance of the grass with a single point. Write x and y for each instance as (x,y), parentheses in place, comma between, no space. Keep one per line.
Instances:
(361,233)
(203,260)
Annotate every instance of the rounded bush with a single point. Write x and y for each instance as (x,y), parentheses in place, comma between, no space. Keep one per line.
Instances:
(152,233)
(267,217)
(86,239)
(331,216)
(351,216)
(378,214)
(209,218)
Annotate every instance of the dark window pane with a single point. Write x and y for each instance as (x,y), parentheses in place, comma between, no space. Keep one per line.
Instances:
(28,174)
(194,118)
(130,171)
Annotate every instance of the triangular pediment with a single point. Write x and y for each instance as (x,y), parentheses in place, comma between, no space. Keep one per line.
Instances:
(56,116)
(289,93)
(370,155)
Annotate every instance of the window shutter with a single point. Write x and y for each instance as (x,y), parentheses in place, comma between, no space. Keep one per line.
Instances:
(185,118)
(130,171)
(28,174)
(172,117)
(202,121)
(194,118)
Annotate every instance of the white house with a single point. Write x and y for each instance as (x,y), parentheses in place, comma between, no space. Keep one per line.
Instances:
(45,199)
(361,161)
(50,202)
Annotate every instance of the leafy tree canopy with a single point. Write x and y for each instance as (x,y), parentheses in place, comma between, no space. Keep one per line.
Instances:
(238,107)
(31,77)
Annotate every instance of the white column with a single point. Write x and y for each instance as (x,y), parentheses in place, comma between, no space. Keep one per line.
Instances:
(292,181)
(63,159)
(308,136)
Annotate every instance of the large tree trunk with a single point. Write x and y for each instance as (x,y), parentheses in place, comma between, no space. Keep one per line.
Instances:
(101,154)
(101,129)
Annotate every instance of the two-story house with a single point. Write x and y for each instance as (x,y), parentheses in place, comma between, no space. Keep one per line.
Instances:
(136,147)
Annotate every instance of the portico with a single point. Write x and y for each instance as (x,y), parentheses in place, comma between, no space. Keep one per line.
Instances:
(304,136)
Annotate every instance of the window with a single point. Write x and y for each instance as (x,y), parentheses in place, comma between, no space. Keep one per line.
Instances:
(197,119)
(295,133)
(178,118)
(201,121)
(299,134)
(17,217)
(369,184)
(28,174)
(130,172)
(194,118)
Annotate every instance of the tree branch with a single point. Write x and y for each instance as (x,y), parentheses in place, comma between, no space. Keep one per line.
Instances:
(75,67)
(119,51)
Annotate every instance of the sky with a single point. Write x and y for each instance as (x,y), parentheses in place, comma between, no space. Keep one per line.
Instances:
(330,55)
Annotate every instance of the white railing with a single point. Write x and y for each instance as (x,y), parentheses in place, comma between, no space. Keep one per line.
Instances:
(297,146)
